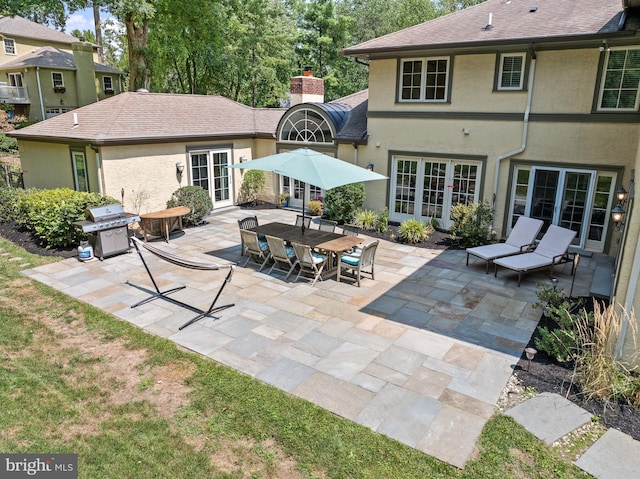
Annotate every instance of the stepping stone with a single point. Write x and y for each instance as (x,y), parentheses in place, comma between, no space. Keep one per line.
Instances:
(614,456)
(549,416)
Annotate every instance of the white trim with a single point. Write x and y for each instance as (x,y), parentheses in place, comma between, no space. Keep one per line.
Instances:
(603,78)
(423,80)
(53,81)
(15,46)
(503,56)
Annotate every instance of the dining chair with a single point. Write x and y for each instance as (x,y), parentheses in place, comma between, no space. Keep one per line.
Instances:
(283,256)
(327,225)
(362,263)
(306,219)
(309,261)
(350,230)
(257,249)
(245,224)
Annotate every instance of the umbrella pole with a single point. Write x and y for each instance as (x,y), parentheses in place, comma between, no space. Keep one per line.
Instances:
(304,196)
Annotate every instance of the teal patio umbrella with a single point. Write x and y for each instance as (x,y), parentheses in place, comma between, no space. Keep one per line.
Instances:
(312,167)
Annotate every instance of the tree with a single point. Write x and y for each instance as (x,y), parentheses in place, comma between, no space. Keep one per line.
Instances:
(136,15)
(448,6)
(88,35)
(48,12)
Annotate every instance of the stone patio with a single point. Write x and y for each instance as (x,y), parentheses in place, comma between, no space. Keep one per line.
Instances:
(421,354)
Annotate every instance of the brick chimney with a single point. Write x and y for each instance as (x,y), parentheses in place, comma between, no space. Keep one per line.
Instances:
(306,88)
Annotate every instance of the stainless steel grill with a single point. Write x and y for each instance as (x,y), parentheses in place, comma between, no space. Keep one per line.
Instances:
(107,229)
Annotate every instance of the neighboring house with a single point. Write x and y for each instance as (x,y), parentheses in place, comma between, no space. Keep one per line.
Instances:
(530,106)
(49,72)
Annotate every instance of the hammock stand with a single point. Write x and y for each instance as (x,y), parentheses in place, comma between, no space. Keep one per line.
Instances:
(184,263)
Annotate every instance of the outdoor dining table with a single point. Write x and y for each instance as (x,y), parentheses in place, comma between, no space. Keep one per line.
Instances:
(331,243)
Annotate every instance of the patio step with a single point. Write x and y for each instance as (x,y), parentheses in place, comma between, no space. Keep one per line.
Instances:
(602,282)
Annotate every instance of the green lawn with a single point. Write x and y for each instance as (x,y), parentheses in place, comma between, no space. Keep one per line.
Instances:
(75,379)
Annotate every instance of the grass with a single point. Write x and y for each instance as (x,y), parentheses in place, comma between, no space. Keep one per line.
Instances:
(75,379)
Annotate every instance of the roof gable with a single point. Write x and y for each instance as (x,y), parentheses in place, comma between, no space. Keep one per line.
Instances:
(511,21)
(50,57)
(21,27)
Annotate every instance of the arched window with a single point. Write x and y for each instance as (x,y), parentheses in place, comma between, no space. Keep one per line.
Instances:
(306,126)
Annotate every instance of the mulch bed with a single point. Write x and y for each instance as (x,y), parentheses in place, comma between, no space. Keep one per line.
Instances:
(545,375)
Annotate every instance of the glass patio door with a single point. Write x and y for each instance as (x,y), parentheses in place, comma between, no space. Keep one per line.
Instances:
(427,189)
(562,197)
(209,170)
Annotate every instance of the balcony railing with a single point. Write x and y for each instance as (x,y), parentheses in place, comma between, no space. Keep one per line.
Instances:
(14,94)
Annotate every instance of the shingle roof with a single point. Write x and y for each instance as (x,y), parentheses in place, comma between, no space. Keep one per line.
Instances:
(512,21)
(355,127)
(50,57)
(21,27)
(142,117)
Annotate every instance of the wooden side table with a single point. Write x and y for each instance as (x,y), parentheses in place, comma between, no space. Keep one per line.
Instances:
(161,223)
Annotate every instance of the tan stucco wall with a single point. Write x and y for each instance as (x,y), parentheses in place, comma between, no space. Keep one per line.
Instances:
(48,165)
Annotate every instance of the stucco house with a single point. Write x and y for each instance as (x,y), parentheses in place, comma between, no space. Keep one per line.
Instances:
(46,72)
(530,106)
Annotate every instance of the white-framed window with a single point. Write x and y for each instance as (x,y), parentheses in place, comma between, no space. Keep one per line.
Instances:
(107,83)
(424,79)
(80,174)
(9,46)
(306,125)
(15,79)
(511,72)
(620,80)
(57,79)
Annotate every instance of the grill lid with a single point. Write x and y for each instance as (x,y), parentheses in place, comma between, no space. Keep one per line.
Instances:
(104,213)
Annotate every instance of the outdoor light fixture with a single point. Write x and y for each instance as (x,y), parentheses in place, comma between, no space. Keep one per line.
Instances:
(530,352)
(179,168)
(617,215)
(369,166)
(243,159)
(621,194)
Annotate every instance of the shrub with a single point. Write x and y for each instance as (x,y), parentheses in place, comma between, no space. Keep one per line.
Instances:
(8,144)
(383,220)
(197,199)
(342,202)
(49,214)
(471,224)
(9,203)
(414,231)
(366,220)
(253,183)
(316,207)
(561,339)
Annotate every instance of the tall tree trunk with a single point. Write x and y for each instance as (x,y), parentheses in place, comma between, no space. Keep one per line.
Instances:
(96,22)
(138,65)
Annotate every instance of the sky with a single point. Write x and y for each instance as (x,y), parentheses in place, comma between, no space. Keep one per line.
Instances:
(83,20)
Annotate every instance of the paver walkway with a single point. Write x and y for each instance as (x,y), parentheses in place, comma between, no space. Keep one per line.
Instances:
(421,354)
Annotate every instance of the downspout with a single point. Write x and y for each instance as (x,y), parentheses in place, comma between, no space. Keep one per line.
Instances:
(633,278)
(40,92)
(355,153)
(98,168)
(525,131)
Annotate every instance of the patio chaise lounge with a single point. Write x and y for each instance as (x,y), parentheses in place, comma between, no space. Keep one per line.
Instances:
(551,250)
(520,240)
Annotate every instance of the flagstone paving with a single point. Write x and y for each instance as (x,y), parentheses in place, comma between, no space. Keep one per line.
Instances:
(421,354)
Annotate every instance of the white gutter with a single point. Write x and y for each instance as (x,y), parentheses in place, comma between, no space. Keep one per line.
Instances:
(525,132)
(40,92)
(355,153)
(98,169)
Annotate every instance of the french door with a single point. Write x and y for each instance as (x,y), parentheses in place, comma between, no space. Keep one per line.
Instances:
(298,190)
(577,199)
(209,170)
(427,188)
